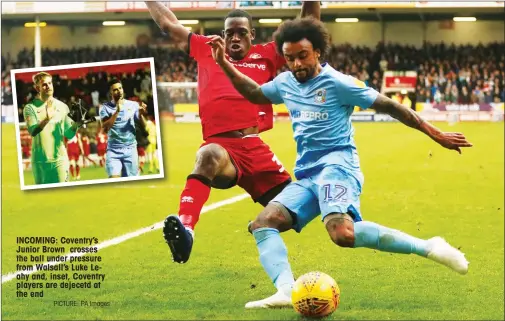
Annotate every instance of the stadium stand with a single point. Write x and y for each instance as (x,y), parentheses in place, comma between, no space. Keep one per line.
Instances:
(446,72)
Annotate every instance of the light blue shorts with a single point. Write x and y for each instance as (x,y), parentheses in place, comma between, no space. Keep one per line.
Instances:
(122,161)
(331,190)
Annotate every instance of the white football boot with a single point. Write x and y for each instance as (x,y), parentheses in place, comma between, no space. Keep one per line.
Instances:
(278,300)
(443,253)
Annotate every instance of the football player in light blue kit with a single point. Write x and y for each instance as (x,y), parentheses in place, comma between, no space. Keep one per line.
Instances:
(118,120)
(320,101)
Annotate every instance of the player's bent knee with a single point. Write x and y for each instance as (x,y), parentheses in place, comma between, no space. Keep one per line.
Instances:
(340,227)
(210,159)
(273,216)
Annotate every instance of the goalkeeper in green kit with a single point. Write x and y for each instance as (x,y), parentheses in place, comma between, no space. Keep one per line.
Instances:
(49,122)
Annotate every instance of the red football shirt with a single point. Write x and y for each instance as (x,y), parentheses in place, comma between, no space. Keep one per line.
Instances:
(73,144)
(222,107)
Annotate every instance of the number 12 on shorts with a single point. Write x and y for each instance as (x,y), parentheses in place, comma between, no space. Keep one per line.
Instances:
(339,193)
(278,162)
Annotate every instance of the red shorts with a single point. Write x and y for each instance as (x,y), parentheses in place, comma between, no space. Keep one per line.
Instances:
(141,151)
(73,154)
(26,152)
(258,169)
(86,150)
(101,149)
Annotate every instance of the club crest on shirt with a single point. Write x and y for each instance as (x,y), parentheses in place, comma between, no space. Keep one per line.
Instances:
(320,96)
(255,56)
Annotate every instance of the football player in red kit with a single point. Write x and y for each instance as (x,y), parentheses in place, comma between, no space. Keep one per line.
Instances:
(74,151)
(101,146)
(26,147)
(232,152)
(85,150)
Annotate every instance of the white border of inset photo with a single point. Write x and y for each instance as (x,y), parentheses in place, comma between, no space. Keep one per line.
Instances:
(161,174)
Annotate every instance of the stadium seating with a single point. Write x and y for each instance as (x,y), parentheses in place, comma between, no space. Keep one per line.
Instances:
(446,73)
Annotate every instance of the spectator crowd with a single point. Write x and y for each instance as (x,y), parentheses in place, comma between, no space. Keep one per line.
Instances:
(446,72)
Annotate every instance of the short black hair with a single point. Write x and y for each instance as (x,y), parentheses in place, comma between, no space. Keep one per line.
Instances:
(303,28)
(237,13)
(114,81)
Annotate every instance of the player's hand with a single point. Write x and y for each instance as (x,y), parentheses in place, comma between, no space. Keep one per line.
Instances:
(50,108)
(218,48)
(143,108)
(452,141)
(120,104)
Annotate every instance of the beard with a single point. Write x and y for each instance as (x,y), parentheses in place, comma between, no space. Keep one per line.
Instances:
(118,97)
(304,74)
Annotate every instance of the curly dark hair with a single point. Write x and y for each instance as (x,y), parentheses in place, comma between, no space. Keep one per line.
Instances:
(303,28)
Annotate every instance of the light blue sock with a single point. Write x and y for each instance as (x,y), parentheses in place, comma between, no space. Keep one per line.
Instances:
(274,258)
(375,236)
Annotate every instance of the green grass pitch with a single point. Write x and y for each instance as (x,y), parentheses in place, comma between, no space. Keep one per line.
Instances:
(459,197)
(93,172)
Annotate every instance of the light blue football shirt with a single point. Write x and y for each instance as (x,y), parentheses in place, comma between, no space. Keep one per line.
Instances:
(122,133)
(320,111)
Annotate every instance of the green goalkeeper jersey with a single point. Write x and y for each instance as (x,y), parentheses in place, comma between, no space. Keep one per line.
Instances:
(49,145)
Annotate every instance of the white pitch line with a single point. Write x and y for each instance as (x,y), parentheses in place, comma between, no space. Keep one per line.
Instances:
(124,237)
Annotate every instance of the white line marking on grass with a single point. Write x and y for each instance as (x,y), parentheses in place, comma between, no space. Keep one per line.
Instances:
(125,237)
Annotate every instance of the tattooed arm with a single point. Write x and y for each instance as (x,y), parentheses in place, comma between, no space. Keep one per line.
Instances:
(410,118)
(168,23)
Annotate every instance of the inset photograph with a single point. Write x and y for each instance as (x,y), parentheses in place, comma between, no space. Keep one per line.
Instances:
(87,123)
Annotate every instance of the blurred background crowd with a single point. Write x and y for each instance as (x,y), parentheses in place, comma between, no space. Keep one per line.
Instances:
(446,72)
(92,88)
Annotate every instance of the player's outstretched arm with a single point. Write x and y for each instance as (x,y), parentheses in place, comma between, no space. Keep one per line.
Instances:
(244,85)
(70,126)
(410,118)
(167,21)
(311,8)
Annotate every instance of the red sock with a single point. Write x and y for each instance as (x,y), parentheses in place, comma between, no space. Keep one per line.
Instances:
(195,194)
(77,169)
(72,170)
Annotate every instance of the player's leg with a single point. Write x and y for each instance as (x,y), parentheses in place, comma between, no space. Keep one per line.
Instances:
(141,151)
(72,167)
(294,208)
(61,169)
(113,165)
(84,161)
(101,159)
(55,172)
(148,158)
(213,168)
(339,201)
(154,157)
(130,162)
(77,169)
(38,172)
(344,232)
